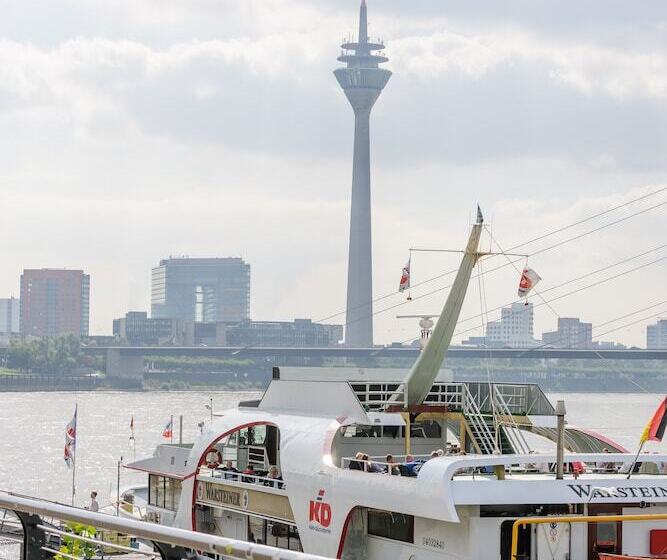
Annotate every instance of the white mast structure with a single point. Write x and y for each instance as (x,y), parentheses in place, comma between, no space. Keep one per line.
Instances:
(424,371)
(362,81)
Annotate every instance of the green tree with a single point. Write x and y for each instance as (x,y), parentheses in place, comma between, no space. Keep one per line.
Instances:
(76,547)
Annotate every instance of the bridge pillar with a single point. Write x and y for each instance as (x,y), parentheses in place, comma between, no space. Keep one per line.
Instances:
(119,364)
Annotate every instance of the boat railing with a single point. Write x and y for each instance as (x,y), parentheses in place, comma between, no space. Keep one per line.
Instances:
(254,479)
(521,399)
(401,466)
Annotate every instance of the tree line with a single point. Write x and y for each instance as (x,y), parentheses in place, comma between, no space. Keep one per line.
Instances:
(49,355)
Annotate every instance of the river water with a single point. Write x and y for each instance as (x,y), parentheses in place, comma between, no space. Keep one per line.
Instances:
(33,432)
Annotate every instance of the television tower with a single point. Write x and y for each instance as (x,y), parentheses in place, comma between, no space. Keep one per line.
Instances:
(362,81)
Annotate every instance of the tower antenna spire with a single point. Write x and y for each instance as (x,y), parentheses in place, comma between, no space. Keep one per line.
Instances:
(363,23)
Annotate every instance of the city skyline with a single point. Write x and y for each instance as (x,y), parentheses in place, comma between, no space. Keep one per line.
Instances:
(123,171)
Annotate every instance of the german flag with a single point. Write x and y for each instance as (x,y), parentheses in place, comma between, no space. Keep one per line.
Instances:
(655,429)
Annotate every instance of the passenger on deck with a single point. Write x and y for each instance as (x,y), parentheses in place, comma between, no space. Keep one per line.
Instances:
(358,463)
(229,471)
(274,478)
(392,467)
(412,466)
(250,470)
(371,466)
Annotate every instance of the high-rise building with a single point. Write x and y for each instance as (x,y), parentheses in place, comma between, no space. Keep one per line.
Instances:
(201,290)
(513,330)
(571,333)
(9,315)
(54,302)
(362,81)
(656,335)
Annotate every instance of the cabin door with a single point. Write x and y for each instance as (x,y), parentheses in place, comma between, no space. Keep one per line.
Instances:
(606,536)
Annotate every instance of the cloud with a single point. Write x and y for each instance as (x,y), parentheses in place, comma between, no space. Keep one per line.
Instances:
(135,130)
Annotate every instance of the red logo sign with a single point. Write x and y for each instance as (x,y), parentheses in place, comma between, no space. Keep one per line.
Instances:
(320,511)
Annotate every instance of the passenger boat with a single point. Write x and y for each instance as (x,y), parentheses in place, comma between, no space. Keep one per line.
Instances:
(358,479)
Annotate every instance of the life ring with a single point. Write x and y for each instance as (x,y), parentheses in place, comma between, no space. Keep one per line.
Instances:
(213,459)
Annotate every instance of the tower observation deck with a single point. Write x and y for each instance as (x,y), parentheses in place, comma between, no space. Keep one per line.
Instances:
(362,81)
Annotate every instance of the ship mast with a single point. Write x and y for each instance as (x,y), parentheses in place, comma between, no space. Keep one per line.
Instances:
(419,381)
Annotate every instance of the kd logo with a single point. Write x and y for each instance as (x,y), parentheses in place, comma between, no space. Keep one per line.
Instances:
(320,511)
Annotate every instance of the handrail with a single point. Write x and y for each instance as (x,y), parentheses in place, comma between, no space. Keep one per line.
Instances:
(474,415)
(516,436)
(191,540)
(255,479)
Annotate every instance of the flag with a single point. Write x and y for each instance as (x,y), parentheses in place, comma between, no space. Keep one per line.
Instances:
(168,429)
(529,278)
(405,278)
(480,216)
(132,427)
(655,429)
(70,441)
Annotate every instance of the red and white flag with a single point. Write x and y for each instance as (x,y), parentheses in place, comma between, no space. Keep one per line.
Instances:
(70,441)
(168,429)
(405,278)
(529,278)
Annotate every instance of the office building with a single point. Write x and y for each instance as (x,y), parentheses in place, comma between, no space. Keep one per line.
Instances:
(302,333)
(571,333)
(54,302)
(362,81)
(201,290)
(656,336)
(137,329)
(9,315)
(513,330)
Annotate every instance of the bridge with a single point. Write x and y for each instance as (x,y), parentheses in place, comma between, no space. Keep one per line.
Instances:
(129,360)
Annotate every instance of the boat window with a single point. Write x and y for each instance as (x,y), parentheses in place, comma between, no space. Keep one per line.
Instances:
(606,537)
(256,435)
(164,492)
(273,533)
(395,526)
(431,428)
(256,530)
(362,431)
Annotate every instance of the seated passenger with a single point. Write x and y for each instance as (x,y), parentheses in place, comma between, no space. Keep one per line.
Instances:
(358,463)
(412,465)
(274,477)
(229,471)
(371,466)
(250,470)
(392,467)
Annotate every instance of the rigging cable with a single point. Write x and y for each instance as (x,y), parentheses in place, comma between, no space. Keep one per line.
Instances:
(567,294)
(544,250)
(538,238)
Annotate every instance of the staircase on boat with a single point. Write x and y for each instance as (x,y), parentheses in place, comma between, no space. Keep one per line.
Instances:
(492,412)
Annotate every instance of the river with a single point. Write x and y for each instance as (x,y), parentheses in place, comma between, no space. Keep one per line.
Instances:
(33,431)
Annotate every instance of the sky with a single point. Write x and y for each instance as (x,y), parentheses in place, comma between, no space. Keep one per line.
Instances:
(138,129)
